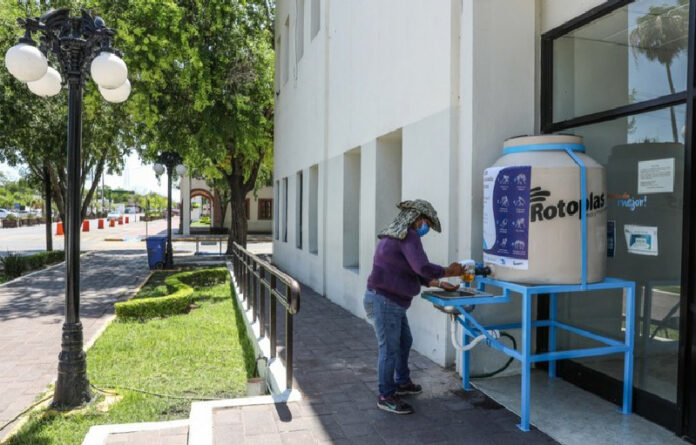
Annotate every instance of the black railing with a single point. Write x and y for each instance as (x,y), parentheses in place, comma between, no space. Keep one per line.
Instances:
(258,280)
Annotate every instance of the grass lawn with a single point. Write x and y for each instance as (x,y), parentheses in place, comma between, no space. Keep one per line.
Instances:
(202,354)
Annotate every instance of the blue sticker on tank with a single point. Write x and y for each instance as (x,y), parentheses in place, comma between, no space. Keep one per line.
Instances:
(506,215)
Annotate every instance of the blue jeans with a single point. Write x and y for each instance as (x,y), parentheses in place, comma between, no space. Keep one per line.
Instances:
(394,340)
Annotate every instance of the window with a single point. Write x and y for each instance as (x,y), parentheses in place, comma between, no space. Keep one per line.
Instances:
(299,30)
(276,201)
(278,65)
(619,79)
(388,180)
(316,17)
(285,55)
(265,209)
(633,54)
(298,211)
(285,210)
(313,209)
(246,209)
(351,210)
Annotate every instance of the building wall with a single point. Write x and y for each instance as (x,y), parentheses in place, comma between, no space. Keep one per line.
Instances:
(426,92)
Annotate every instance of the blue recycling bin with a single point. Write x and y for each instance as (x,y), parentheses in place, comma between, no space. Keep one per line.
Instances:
(156,249)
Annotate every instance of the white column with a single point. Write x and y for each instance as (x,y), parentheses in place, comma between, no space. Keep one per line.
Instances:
(186,204)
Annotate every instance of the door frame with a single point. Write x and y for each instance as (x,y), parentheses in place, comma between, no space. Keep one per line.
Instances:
(679,417)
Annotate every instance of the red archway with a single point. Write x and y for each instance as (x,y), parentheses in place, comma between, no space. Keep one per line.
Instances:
(213,199)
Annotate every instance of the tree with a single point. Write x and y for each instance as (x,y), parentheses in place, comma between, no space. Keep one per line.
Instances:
(203,86)
(35,129)
(661,34)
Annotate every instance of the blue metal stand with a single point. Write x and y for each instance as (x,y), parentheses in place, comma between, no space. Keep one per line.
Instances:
(472,328)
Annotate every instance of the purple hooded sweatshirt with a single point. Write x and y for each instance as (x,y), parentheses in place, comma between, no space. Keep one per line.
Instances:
(400,267)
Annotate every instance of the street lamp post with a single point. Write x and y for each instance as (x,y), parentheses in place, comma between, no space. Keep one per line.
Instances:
(171,161)
(78,45)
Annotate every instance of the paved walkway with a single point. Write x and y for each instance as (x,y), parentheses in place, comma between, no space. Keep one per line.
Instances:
(335,369)
(31,318)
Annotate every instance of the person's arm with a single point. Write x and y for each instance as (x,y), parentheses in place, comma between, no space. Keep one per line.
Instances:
(412,249)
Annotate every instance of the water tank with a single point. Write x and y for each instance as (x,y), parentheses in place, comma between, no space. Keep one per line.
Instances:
(532,217)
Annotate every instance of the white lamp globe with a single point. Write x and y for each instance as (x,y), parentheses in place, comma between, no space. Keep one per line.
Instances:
(25,62)
(116,95)
(159,169)
(181,170)
(109,70)
(48,86)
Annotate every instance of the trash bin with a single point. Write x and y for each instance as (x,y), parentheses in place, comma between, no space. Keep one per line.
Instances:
(156,249)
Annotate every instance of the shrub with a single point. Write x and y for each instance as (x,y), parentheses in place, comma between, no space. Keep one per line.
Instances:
(178,299)
(43,259)
(14,264)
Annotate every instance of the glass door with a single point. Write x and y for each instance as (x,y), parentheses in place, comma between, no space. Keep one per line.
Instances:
(619,77)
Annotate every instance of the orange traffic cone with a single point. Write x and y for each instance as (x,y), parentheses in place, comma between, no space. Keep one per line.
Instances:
(100,224)
(112,223)
(127,220)
(59,228)
(120,220)
(85,225)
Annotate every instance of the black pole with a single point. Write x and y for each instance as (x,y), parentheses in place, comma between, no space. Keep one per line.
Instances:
(48,209)
(72,386)
(170,256)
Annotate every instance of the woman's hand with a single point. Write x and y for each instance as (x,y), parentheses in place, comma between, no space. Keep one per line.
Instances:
(454,270)
(449,287)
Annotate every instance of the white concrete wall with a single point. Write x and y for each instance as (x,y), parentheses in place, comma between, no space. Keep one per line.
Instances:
(434,86)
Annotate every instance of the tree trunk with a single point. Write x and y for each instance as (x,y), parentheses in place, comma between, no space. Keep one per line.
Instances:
(48,209)
(675,132)
(238,221)
(95,182)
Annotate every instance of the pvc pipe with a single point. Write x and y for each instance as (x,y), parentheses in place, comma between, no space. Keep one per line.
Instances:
(461,348)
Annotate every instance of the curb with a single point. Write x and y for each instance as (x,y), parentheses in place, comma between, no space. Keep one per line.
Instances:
(201,417)
(98,434)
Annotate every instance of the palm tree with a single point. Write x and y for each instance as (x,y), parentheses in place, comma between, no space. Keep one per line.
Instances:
(661,35)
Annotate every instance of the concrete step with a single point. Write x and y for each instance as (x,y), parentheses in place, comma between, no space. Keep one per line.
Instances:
(171,436)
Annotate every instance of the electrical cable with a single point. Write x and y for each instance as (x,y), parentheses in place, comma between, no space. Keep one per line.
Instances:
(167,396)
(34,405)
(495,334)
(502,368)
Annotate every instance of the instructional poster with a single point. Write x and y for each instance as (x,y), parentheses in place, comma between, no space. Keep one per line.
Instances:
(641,240)
(506,216)
(656,176)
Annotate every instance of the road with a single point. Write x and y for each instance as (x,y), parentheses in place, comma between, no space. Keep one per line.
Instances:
(27,240)
(33,239)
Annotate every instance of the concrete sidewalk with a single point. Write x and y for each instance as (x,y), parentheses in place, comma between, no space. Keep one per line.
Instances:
(335,369)
(31,317)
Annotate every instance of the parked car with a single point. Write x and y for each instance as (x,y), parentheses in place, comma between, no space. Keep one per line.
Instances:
(4,213)
(113,215)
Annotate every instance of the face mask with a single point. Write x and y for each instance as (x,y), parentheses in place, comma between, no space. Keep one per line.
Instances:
(423,229)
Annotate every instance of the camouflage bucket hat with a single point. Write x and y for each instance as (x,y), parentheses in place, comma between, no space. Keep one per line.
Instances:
(410,212)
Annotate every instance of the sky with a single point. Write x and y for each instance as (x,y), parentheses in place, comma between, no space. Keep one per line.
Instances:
(136,176)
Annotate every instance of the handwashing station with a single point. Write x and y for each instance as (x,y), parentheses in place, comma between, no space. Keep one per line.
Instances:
(545,234)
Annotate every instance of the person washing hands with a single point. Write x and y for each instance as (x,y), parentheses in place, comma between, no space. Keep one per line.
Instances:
(400,267)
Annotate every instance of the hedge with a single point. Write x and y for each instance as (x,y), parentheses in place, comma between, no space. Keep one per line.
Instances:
(15,265)
(177,301)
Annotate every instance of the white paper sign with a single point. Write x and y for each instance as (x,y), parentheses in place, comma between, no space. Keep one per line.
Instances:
(656,176)
(641,240)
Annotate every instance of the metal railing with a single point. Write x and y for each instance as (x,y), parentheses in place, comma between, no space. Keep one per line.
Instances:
(258,279)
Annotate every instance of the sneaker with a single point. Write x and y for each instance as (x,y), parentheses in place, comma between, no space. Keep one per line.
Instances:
(409,388)
(394,405)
